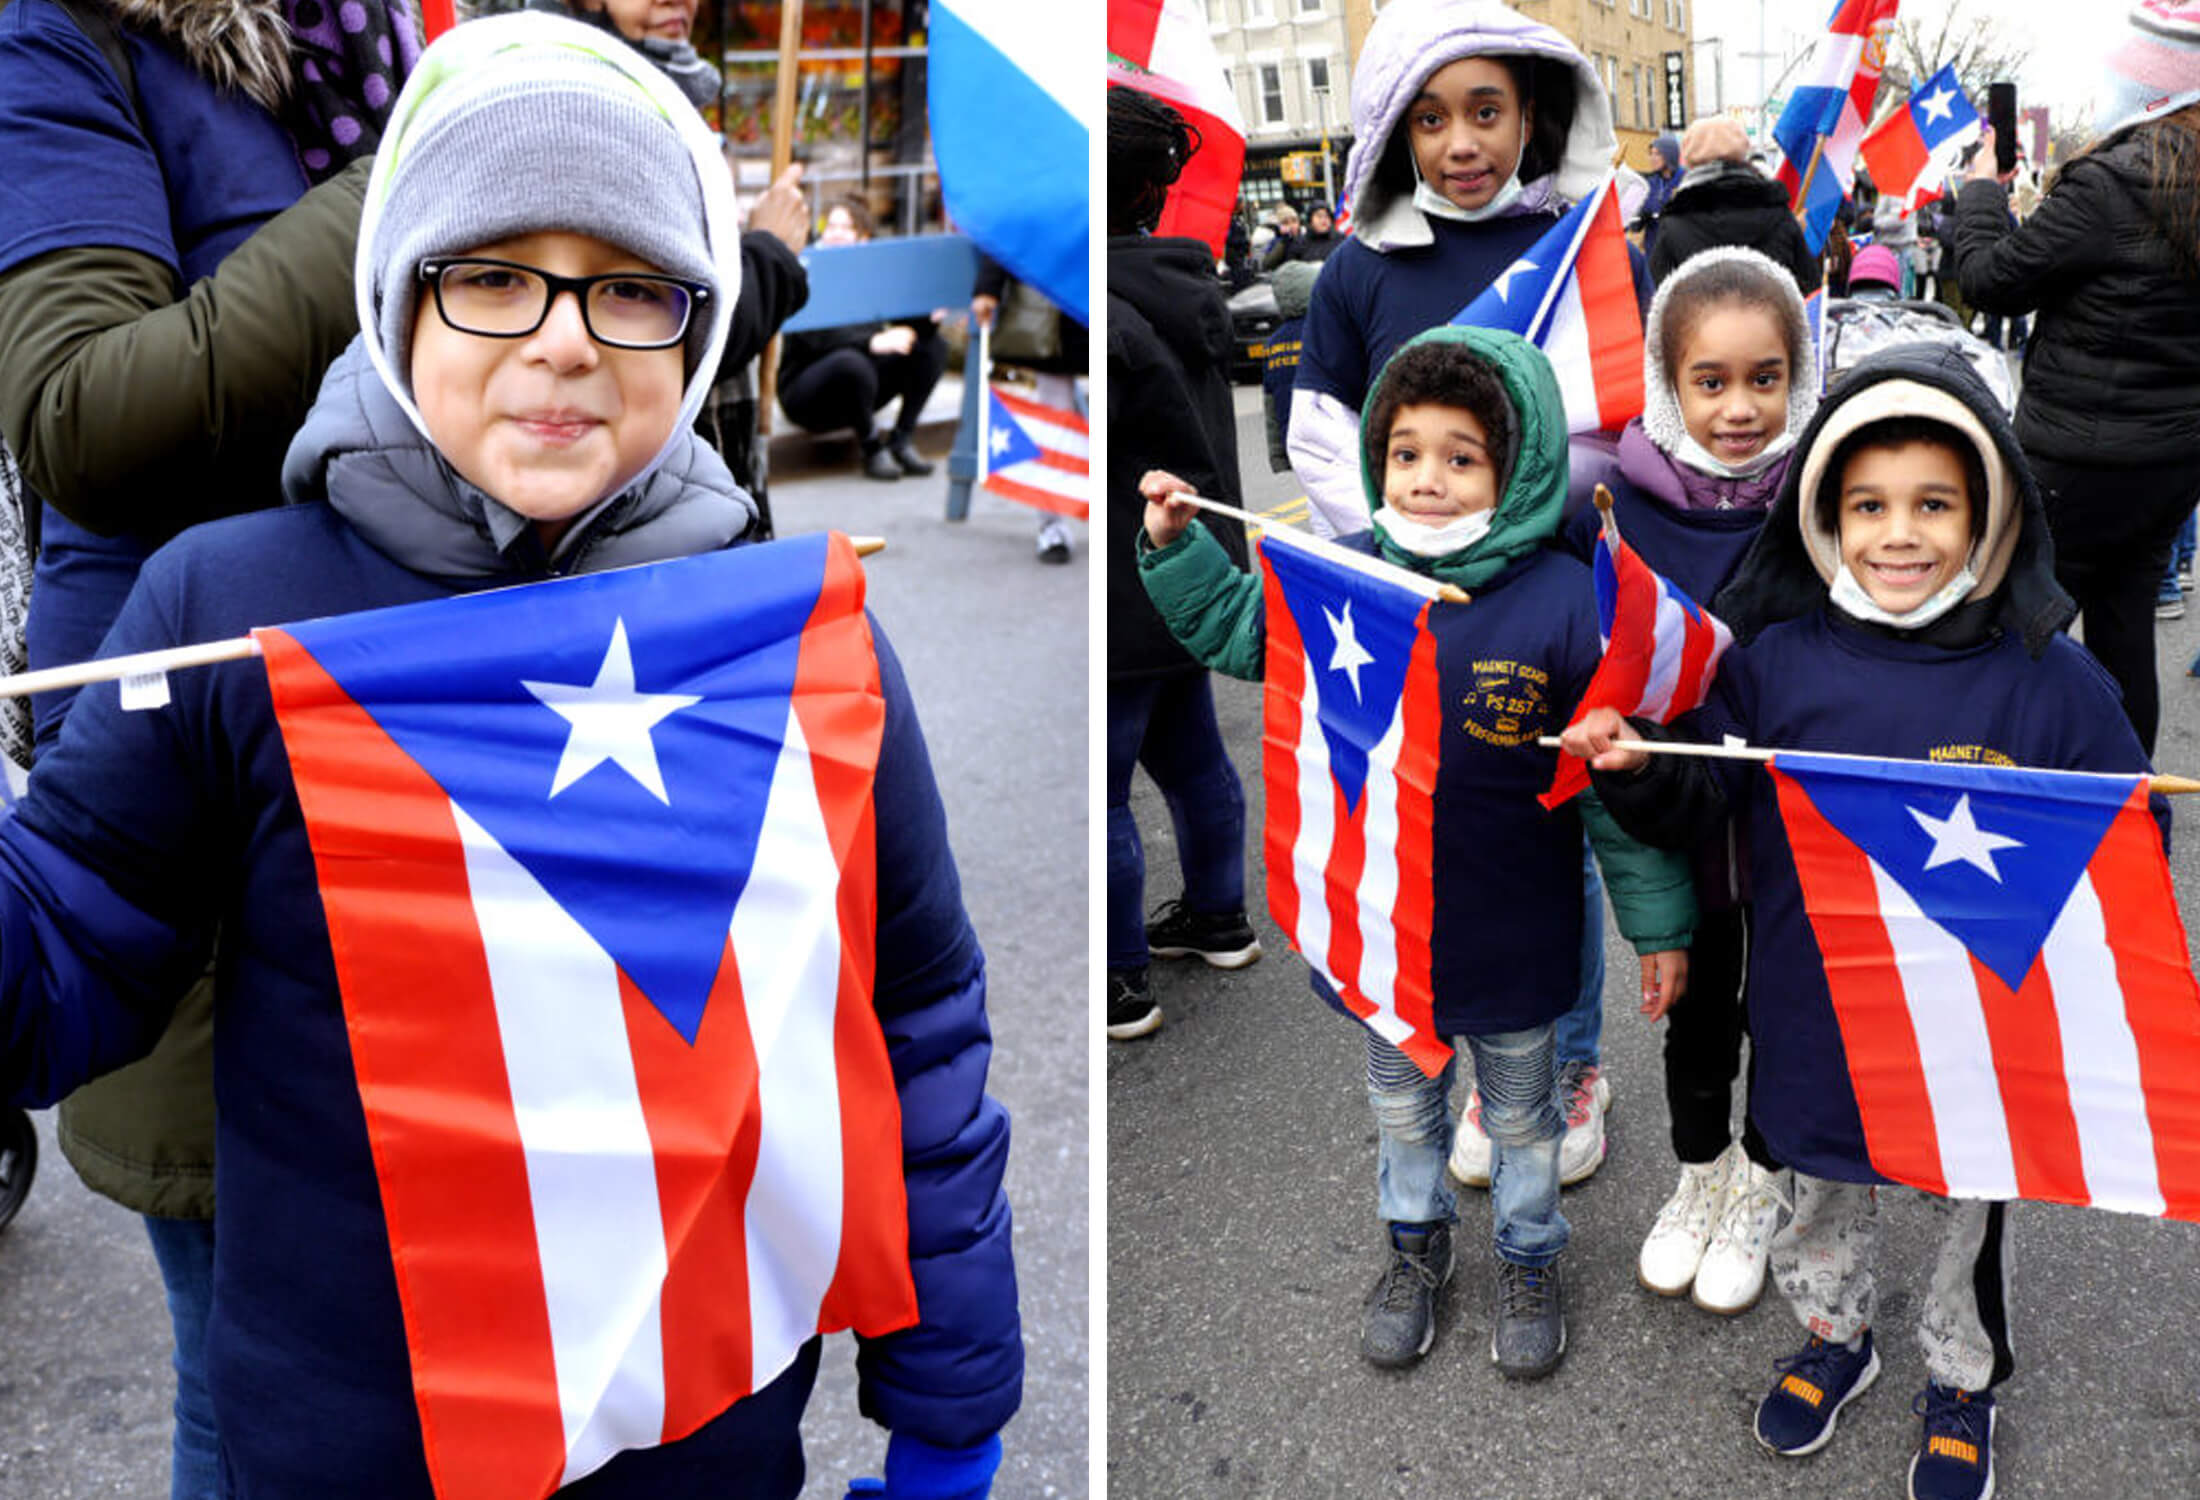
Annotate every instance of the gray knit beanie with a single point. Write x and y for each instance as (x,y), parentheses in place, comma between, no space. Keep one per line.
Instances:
(525,143)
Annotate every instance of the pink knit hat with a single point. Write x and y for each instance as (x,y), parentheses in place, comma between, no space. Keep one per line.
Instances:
(2155,71)
(1876,263)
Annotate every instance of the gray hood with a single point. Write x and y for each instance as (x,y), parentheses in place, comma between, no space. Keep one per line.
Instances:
(1410,40)
(360,452)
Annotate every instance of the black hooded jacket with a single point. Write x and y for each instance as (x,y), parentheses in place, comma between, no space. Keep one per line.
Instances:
(2112,374)
(1731,203)
(1673,800)
(1169,407)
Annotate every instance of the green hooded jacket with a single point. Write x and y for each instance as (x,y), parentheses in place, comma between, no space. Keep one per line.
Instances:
(1220,616)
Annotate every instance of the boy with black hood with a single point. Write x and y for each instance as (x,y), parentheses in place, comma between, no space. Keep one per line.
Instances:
(1464,470)
(1899,601)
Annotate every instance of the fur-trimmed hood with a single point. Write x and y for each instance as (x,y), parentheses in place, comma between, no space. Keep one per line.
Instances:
(233,44)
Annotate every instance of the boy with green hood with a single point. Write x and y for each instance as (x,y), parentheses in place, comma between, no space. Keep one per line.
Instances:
(1463,461)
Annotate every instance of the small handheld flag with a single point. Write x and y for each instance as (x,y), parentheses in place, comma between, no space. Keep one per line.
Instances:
(2008,971)
(1036,454)
(1573,296)
(1927,133)
(1661,648)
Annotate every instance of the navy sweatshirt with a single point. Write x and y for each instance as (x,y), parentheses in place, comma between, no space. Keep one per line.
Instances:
(1825,682)
(143,830)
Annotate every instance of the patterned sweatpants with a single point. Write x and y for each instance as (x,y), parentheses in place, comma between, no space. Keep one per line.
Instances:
(1823,1261)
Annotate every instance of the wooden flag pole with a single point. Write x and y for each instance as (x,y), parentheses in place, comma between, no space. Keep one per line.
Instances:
(206,654)
(2168,786)
(783,103)
(1802,193)
(1345,557)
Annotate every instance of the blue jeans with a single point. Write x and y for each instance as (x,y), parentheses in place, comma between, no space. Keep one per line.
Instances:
(1581,1030)
(185,1250)
(1516,1072)
(2180,555)
(1167,724)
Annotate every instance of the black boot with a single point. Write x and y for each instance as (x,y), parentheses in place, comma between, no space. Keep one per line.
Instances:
(877,462)
(905,453)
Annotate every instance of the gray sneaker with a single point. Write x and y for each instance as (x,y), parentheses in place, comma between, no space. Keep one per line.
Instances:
(1528,1325)
(1400,1322)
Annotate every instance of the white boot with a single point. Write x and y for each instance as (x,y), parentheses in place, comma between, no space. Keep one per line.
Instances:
(1675,1246)
(1732,1275)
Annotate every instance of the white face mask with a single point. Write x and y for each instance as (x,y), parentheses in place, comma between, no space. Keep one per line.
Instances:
(1696,456)
(1430,201)
(1424,540)
(1857,604)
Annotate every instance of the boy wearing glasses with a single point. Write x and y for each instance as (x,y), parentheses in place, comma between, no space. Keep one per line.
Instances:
(546,262)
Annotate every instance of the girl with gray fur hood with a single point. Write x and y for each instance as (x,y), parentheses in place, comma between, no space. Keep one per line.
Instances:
(1473,127)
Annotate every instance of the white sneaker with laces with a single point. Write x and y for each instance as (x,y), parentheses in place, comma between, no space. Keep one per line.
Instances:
(1585,1095)
(1681,1233)
(1732,1275)
(1470,1145)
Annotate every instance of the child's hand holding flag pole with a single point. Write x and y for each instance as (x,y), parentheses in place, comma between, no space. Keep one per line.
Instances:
(1170,504)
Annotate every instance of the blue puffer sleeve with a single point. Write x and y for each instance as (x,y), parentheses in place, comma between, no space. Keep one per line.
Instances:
(956,1377)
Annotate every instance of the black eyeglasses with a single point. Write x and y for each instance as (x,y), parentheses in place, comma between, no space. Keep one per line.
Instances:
(501,299)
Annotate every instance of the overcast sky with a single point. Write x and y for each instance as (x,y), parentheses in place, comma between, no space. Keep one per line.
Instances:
(2063,71)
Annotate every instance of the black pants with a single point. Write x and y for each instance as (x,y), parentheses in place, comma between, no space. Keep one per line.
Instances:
(2113,528)
(842,389)
(1703,1044)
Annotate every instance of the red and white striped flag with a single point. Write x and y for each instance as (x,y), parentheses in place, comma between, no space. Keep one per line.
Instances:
(2017,1013)
(600,890)
(1573,296)
(1037,454)
(1350,733)
(1661,649)
(1163,48)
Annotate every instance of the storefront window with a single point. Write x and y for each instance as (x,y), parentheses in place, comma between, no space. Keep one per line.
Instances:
(860,126)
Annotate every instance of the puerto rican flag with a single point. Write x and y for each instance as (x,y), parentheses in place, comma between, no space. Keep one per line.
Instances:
(1911,150)
(2009,975)
(1011,112)
(1349,753)
(1834,102)
(1163,48)
(1573,296)
(1037,455)
(1661,650)
(597,862)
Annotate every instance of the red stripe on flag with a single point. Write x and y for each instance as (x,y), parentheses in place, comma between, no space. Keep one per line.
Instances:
(702,1185)
(1697,641)
(1281,708)
(841,705)
(2161,1000)
(1623,672)
(1131,28)
(1039,499)
(1199,203)
(1415,918)
(2026,1039)
(1039,411)
(431,1072)
(1866,988)
(1605,276)
(1894,153)
(1062,463)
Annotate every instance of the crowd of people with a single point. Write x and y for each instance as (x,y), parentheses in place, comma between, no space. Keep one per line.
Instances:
(347,323)
(1899,556)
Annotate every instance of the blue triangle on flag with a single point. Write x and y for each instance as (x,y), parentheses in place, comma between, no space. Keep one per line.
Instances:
(1991,854)
(654,881)
(1007,441)
(1359,635)
(1512,300)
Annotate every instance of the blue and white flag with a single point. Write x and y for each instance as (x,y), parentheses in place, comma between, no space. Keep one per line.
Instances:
(1011,113)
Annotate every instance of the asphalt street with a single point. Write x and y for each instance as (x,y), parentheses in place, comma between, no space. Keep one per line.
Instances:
(1242,1236)
(994,647)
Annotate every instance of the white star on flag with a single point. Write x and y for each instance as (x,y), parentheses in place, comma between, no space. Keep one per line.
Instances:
(1001,440)
(1503,283)
(1350,655)
(1958,837)
(1937,106)
(610,720)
